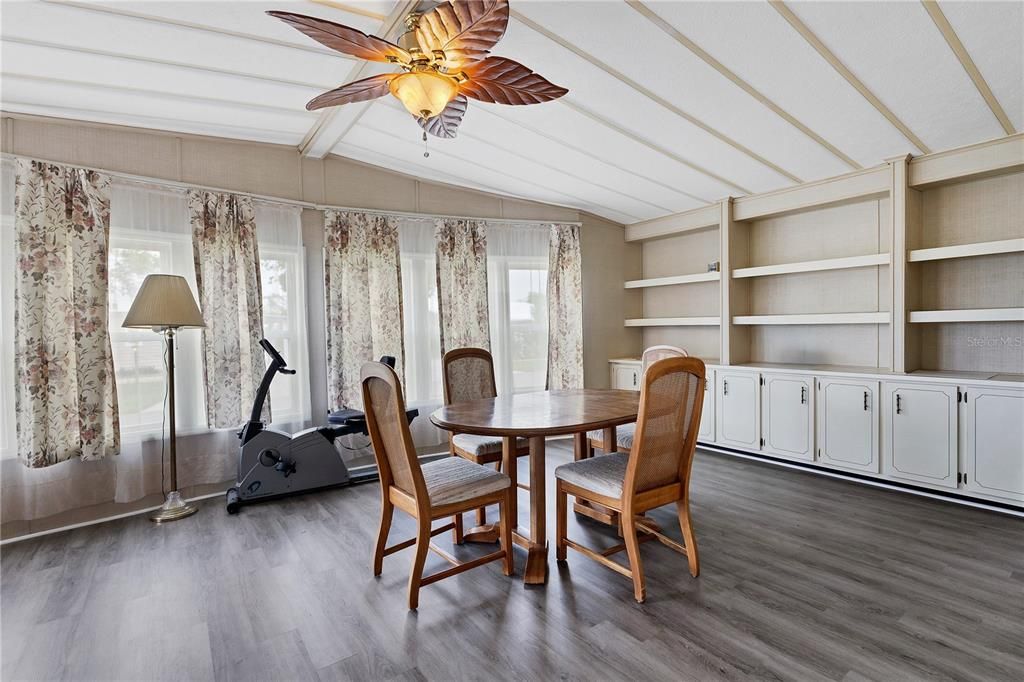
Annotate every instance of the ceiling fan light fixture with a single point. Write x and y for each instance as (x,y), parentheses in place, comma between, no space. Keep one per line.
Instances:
(424,94)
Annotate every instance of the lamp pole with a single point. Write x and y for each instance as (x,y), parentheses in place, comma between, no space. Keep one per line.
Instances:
(174,507)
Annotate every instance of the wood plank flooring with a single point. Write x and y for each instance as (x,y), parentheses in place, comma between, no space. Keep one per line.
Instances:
(802,578)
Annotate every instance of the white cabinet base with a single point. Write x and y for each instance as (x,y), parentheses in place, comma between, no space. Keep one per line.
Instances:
(738,409)
(920,433)
(787,416)
(848,424)
(994,443)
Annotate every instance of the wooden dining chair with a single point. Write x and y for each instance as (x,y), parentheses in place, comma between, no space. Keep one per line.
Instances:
(624,434)
(655,472)
(438,489)
(468,374)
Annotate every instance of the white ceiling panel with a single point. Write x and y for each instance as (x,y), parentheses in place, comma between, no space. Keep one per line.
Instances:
(76,27)
(757,44)
(489,173)
(383,117)
(490,126)
(119,74)
(895,49)
(610,98)
(252,122)
(668,69)
(993,34)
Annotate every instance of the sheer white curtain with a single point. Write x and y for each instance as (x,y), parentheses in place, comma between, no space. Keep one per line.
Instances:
(517,271)
(423,388)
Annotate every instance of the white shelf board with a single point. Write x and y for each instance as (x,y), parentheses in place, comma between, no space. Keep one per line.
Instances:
(673,322)
(814,265)
(967,250)
(678,279)
(969,315)
(813,318)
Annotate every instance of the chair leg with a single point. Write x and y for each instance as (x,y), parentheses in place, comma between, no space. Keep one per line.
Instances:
(422,547)
(387,512)
(633,551)
(457,532)
(689,537)
(505,531)
(561,506)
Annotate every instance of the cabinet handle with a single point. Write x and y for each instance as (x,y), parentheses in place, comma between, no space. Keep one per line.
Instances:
(865,401)
(725,387)
(803,395)
(899,406)
(634,379)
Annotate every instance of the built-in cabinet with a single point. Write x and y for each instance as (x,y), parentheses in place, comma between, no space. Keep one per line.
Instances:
(625,374)
(920,433)
(738,413)
(993,442)
(847,424)
(707,413)
(787,415)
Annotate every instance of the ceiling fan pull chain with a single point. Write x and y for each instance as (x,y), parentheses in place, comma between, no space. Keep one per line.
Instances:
(426,149)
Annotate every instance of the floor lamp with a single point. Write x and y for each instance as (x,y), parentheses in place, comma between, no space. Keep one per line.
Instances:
(165,304)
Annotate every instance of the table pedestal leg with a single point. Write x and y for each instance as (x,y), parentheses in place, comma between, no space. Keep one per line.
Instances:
(592,510)
(536,572)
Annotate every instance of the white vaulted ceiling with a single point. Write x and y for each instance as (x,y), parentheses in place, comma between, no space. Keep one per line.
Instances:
(671,105)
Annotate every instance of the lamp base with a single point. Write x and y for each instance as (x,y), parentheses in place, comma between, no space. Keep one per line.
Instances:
(174,508)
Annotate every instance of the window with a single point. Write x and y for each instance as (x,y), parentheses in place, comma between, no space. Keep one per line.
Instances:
(420,313)
(150,233)
(8,435)
(517,281)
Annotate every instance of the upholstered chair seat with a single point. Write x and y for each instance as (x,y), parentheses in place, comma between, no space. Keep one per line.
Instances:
(623,436)
(453,479)
(603,475)
(480,446)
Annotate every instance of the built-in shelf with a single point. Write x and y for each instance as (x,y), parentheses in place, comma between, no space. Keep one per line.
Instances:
(814,265)
(969,315)
(673,322)
(813,318)
(967,250)
(678,279)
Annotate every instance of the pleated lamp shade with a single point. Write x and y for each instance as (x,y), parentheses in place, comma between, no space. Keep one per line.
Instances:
(164,301)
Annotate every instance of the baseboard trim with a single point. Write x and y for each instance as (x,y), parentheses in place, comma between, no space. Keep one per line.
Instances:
(93,522)
(863,480)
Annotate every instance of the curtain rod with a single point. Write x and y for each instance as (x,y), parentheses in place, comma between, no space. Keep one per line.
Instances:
(174,184)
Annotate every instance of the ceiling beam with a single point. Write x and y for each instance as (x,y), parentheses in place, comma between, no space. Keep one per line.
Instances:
(953,40)
(191,26)
(351,9)
(838,65)
(721,68)
(164,62)
(649,94)
(330,127)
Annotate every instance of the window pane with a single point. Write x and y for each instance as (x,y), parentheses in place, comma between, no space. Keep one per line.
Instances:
(528,328)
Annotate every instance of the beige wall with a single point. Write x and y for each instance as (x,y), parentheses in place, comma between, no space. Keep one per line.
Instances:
(608,261)
(279,171)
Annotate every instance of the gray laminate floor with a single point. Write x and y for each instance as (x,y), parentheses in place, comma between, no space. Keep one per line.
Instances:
(802,577)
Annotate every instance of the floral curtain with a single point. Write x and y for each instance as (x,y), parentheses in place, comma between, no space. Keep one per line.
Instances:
(230,295)
(363,294)
(462,284)
(565,308)
(66,398)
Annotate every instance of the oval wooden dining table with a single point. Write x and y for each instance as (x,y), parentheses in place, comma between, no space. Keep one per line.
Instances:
(536,416)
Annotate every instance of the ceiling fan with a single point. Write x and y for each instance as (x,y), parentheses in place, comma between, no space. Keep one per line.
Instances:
(445,59)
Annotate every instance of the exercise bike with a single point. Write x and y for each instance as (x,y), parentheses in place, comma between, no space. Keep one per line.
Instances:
(274,463)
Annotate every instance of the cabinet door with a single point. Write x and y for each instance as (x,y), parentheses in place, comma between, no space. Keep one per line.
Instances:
(707,413)
(787,418)
(848,424)
(738,409)
(626,376)
(994,442)
(920,426)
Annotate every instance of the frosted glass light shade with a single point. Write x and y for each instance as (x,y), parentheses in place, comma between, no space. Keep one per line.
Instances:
(424,94)
(164,301)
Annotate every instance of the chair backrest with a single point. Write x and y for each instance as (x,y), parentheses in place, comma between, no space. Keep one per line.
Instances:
(671,398)
(654,353)
(468,375)
(393,449)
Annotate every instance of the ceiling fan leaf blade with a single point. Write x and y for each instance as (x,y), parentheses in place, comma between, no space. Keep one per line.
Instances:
(446,124)
(465,30)
(504,81)
(356,91)
(344,39)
